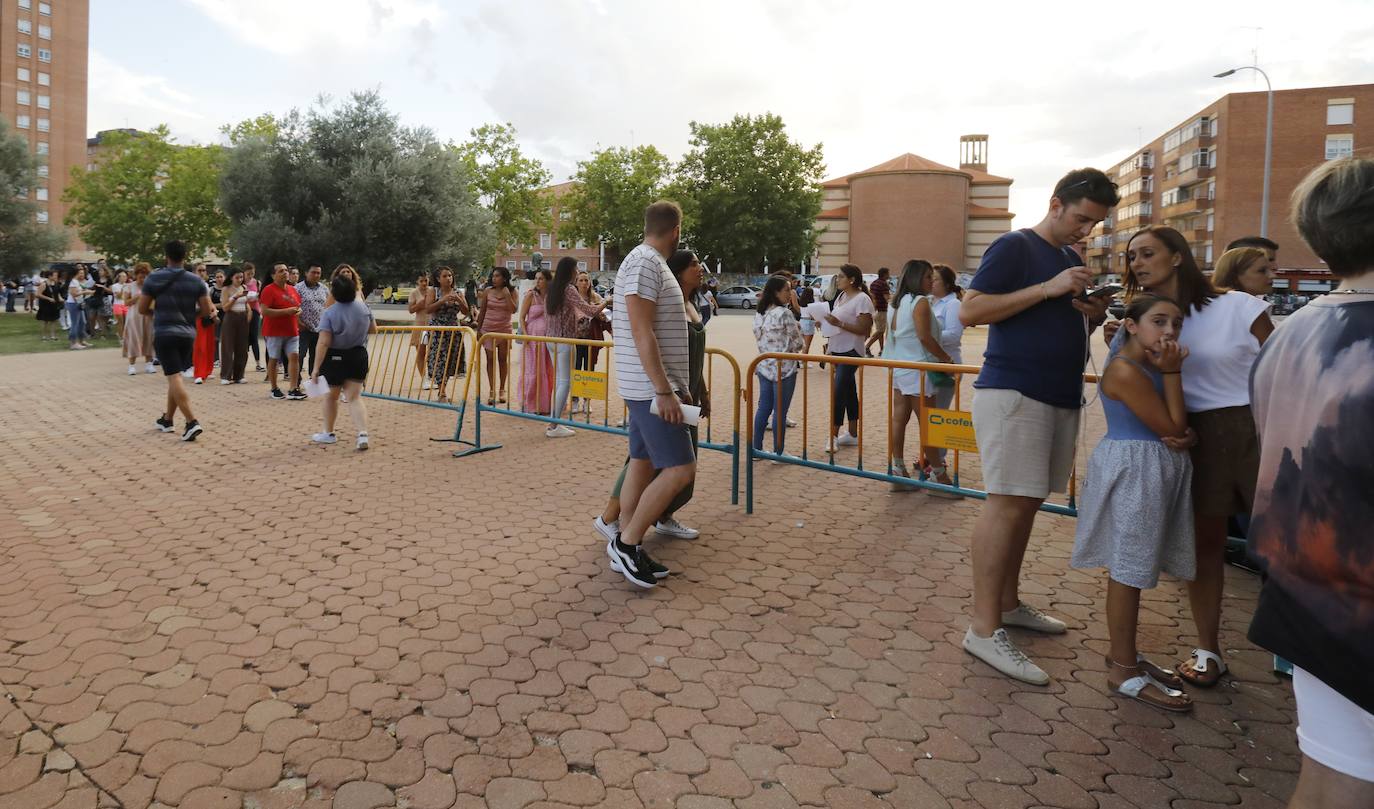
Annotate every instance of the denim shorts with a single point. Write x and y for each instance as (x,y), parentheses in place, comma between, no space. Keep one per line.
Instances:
(655,440)
(281,348)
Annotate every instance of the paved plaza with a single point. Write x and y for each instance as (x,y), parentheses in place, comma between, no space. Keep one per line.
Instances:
(251,622)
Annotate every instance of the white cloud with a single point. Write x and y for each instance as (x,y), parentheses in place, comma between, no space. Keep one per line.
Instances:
(120,97)
(351,28)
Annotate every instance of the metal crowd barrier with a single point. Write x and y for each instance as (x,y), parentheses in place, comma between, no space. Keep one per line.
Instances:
(858,470)
(394,374)
(503,401)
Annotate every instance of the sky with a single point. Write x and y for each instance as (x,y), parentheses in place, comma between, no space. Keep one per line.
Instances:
(1054,86)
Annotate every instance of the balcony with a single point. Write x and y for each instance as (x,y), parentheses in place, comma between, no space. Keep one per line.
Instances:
(1198,235)
(1142,192)
(1130,223)
(1185,208)
(1140,165)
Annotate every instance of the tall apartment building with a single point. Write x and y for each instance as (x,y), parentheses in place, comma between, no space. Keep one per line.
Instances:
(43,55)
(519,258)
(1205,176)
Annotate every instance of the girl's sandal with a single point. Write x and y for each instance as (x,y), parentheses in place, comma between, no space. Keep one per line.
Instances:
(1208,675)
(1150,691)
(1166,676)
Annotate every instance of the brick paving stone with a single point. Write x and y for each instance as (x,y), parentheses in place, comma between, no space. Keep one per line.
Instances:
(363,795)
(806,784)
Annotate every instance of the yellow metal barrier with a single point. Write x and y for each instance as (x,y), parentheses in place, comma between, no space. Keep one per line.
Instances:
(421,365)
(858,470)
(500,394)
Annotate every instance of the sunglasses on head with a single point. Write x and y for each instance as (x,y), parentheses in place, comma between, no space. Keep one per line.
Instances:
(1084,184)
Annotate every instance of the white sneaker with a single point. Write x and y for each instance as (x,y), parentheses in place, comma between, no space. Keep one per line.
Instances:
(426,385)
(846,440)
(200,381)
(226,381)
(324,438)
(132,370)
(1028,617)
(999,652)
(150,368)
(672,528)
(607,530)
(362,441)
(187,374)
(559,431)
(791,423)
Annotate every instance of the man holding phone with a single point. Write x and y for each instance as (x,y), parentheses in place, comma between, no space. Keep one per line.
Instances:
(1029,291)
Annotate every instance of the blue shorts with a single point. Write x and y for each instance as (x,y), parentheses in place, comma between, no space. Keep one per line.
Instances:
(655,440)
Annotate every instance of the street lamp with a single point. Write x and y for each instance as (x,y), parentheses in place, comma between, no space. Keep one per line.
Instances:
(1268,142)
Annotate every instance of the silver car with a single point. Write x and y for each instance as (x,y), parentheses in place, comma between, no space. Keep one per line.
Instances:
(739,297)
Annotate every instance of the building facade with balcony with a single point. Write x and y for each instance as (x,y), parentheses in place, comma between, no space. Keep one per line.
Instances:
(43,73)
(1205,176)
(519,258)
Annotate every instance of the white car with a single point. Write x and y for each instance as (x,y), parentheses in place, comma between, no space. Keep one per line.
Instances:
(739,297)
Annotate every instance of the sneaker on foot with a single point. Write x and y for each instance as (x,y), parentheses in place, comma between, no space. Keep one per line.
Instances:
(1028,617)
(426,385)
(844,439)
(132,370)
(629,562)
(277,394)
(187,374)
(791,423)
(200,380)
(193,429)
(164,424)
(240,382)
(999,652)
(672,528)
(607,530)
(296,395)
(150,368)
(362,441)
(559,431)
(226,381)
(323,438)
(260,367)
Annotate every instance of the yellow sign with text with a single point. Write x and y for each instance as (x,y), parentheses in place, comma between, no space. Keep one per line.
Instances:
(950,429)
(589,384)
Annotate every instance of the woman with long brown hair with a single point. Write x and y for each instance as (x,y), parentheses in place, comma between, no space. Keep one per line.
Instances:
(912,337)
(138,327)
(565,311)
(851,315)
(233,334)
(496,305)
(446,303)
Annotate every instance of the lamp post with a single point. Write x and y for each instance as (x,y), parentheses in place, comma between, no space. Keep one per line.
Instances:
(1268,142)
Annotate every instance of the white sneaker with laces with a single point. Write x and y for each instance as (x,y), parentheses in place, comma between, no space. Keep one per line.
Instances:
(426,385)
(187,374)
(324,438)
(150,368)
(672,528)
(846,440)
(1028,617)
(362,441)
(607,530)
(226,381)
(132,370)
(559,431)
(999,652)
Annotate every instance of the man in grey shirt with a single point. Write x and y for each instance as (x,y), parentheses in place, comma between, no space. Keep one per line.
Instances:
(180,296)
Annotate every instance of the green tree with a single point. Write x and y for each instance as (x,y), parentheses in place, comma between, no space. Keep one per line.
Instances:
(750,192)
(25,244)
(146,190)
(347,183)
(263,126)
(507,183)
(613,189)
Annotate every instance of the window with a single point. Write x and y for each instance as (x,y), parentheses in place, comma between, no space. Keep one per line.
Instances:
(1338,146)
(44,79)
(564,216)
(45,8)
(1211,222)
(45,32)
(1340,112)
(545,241)
(525,265)
(547,265)
(43,124)
(44,55)
(42,195)
(1208,254)
(22,74)
(41,217)
(25,51)
(42,147)
(25,5)
(22,97)
(581,266)
(26,26)
(44,102)
(581,245)
(21,121)
(1212,189)
(510,264)
(43,170)
(1172,140)
(562,244)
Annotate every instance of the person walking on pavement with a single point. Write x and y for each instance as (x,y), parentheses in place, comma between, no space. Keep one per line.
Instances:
(1027,402)
(180,297)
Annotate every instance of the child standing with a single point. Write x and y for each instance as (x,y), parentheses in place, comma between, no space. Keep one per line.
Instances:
(1136,516)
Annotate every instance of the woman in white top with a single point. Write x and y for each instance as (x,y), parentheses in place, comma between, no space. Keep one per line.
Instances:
(1223,332)
(775,331)
(1246,269)
(852,314)
(120,308)
(233,334)
(76,309)
(911,337)
(949,331)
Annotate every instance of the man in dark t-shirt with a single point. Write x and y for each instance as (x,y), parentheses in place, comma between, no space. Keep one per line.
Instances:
(880,290)
(180,296)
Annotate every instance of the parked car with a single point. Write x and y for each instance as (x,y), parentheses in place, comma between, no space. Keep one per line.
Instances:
(739,297)
(397,294)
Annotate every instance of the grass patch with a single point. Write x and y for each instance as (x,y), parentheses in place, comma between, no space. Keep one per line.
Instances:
(21,333)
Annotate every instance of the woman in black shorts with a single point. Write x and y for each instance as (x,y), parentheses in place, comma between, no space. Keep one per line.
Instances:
(341,357)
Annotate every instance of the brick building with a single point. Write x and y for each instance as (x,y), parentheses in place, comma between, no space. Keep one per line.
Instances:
(518,258)
(1205,176)
(912,207)
(43,55)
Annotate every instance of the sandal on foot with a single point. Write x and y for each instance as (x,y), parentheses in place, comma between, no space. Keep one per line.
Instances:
(1152,692)
(1206,676)
(1166,676)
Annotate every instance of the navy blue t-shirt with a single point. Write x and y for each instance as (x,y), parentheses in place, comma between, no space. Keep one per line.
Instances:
(1040,351)
(177,292)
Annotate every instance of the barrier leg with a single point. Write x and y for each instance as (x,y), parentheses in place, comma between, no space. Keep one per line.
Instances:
(475,446)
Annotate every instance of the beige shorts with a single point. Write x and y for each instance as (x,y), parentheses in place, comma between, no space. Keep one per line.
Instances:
(880,322)
(1027,447)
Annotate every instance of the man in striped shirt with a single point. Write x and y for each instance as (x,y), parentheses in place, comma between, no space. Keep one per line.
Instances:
(651,374)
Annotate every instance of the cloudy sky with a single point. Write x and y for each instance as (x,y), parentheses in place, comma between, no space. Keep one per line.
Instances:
(1055,86)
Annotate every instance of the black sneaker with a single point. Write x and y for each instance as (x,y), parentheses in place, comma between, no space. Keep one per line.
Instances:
(277,394)
(193,429)
(296,395)
(632,563)
(164,425)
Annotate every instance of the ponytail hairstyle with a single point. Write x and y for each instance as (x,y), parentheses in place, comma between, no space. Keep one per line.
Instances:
(914,275)
(855,276)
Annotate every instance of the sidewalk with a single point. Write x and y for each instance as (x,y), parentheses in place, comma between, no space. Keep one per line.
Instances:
(250,621)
